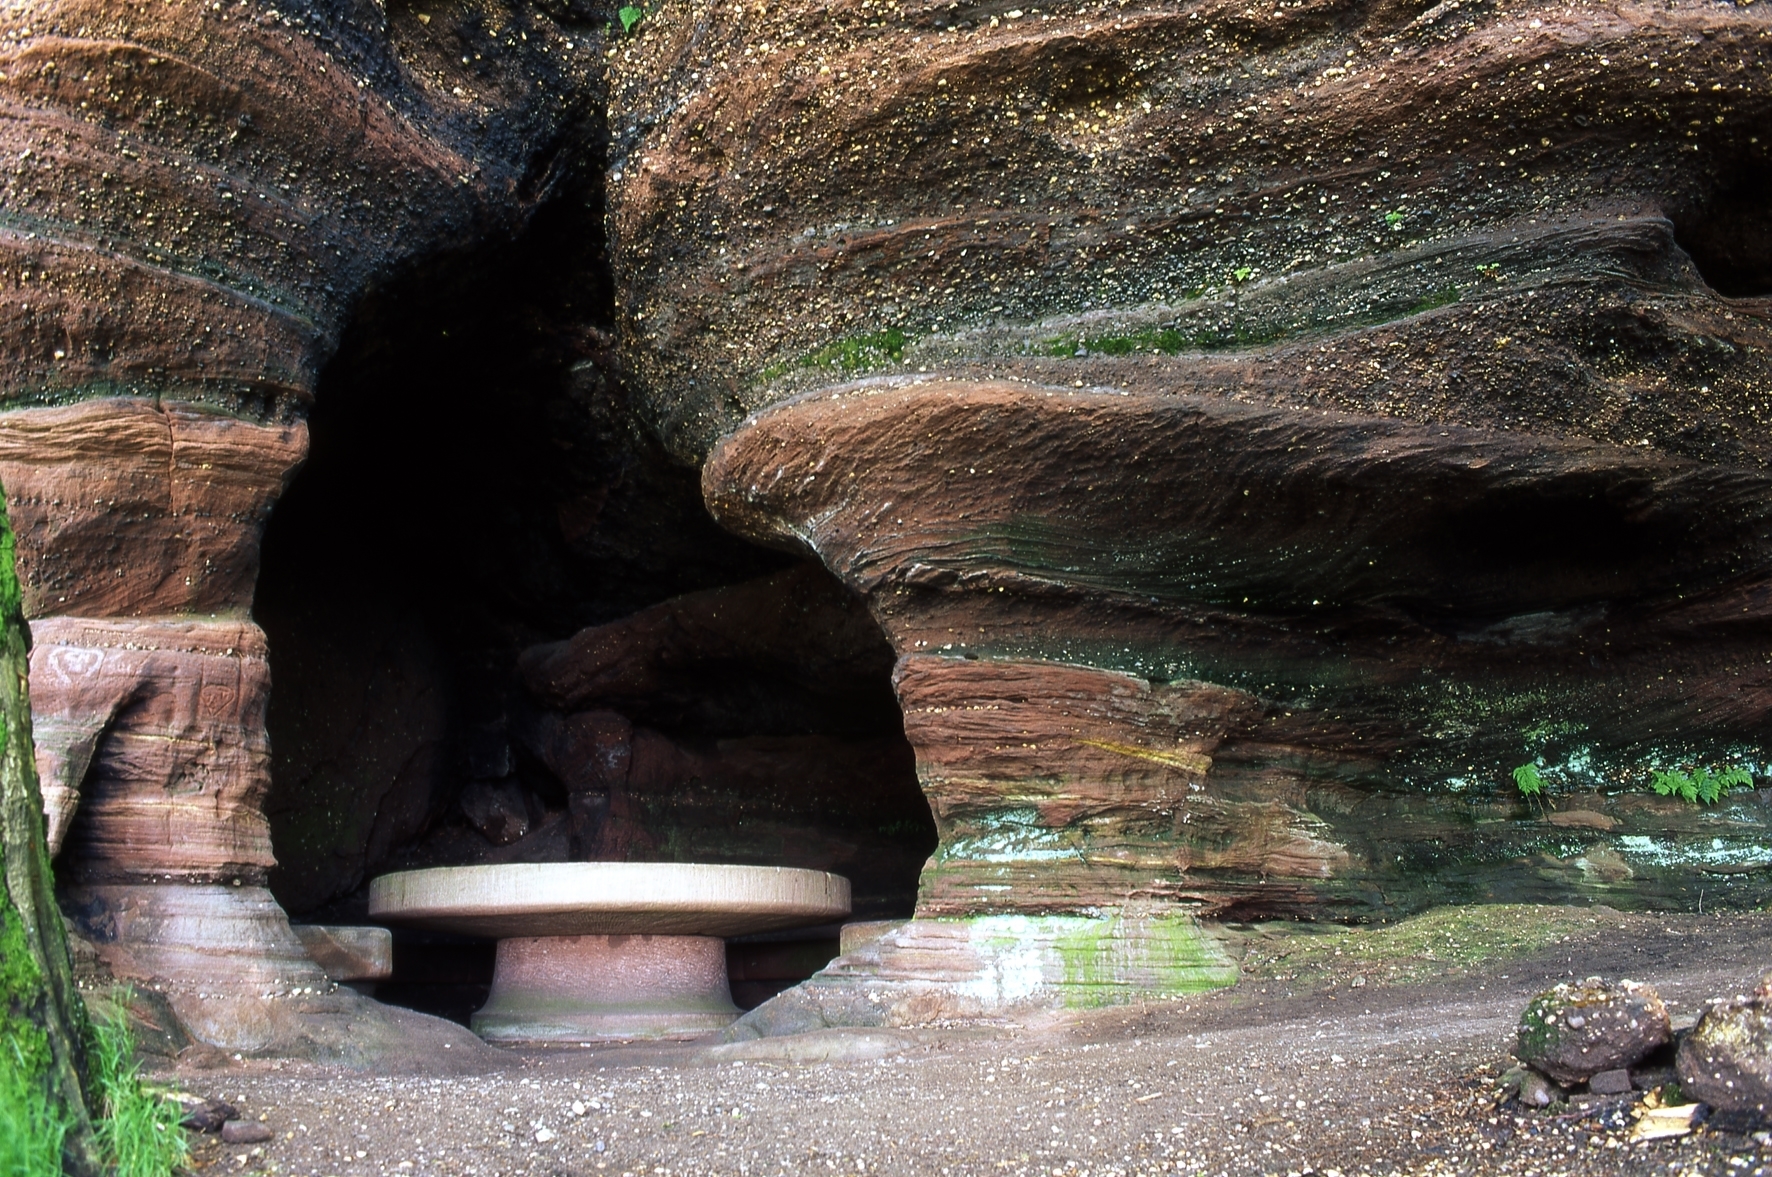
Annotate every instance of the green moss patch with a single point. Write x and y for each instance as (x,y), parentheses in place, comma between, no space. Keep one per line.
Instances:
(31,1127)
(1092,961)
(1171,341)
(1448,941)
(852,353)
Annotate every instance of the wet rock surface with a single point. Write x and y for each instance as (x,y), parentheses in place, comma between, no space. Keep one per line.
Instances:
(1579,1029)
(1726,1060)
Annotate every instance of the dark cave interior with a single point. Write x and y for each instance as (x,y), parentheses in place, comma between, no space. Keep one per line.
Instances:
(475,488)
(1729,235)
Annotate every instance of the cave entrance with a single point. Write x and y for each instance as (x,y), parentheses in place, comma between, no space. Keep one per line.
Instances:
(477,488)
(1729,234)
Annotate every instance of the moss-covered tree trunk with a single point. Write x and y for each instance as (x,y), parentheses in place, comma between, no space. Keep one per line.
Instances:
(42,1020)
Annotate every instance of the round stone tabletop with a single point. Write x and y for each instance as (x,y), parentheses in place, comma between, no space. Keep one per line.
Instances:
(608,899)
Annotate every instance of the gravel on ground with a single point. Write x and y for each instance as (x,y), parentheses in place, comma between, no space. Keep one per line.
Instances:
(1341,1066)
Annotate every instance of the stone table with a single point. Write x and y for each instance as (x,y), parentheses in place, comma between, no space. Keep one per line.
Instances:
(590,951)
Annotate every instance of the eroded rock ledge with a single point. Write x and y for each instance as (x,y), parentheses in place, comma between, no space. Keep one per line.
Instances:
(1253,660)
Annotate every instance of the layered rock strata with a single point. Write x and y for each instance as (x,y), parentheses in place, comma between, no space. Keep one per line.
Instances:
(200,195)
(1342,404)
(152,732)
(1451,215)
(1290,422)
(1247,660)
(925,971)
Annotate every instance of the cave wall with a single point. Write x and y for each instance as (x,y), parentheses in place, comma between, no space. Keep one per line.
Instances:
(1259,431)
(1254,431)
(199,198)
(752,723)
(473,488)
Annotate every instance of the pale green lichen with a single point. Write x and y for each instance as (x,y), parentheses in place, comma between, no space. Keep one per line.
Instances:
(1096,960)
(1107,962)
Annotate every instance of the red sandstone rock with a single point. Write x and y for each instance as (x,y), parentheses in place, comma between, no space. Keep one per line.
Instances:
(1005,190)
(1384,590)
(793,652)
(151,747)
(199,196)
(211,189)
(1578,1029)
(751,724)
(127,507)
(1726,1060)
(1099,777)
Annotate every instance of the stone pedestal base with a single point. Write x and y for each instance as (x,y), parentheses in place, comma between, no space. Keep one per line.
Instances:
(598,988)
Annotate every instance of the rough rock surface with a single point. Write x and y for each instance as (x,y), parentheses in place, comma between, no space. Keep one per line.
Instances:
(200,196)
(1167,644)
(236,976)
(1390,369)
(1579,1029)
(348,954)
(791,653)
(1726,1061)
(747,724)
(1438,215)
(207,191)
(925,971)
(1348,401)
(128,507)
(151,747)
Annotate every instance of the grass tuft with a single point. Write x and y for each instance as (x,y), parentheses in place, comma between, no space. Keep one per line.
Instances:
(139,1132)
(31,1129)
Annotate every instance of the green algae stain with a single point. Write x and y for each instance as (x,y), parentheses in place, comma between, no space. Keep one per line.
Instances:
(1233,336)
(1113,961)
(852,353)
(21,985)
(1101,960)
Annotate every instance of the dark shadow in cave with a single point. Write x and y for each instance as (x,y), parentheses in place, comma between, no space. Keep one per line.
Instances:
(1729,235)
(475,486)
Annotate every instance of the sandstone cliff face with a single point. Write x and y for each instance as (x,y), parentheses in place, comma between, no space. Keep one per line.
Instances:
(1440,215)
(200,196)
(1283,423)
(1165,646)
(133,508)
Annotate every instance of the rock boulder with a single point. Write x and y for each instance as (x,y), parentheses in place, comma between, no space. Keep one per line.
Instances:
(1579,1029)
(1726,1061)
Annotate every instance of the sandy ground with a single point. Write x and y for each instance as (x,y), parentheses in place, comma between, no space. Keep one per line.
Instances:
(1332,1069)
